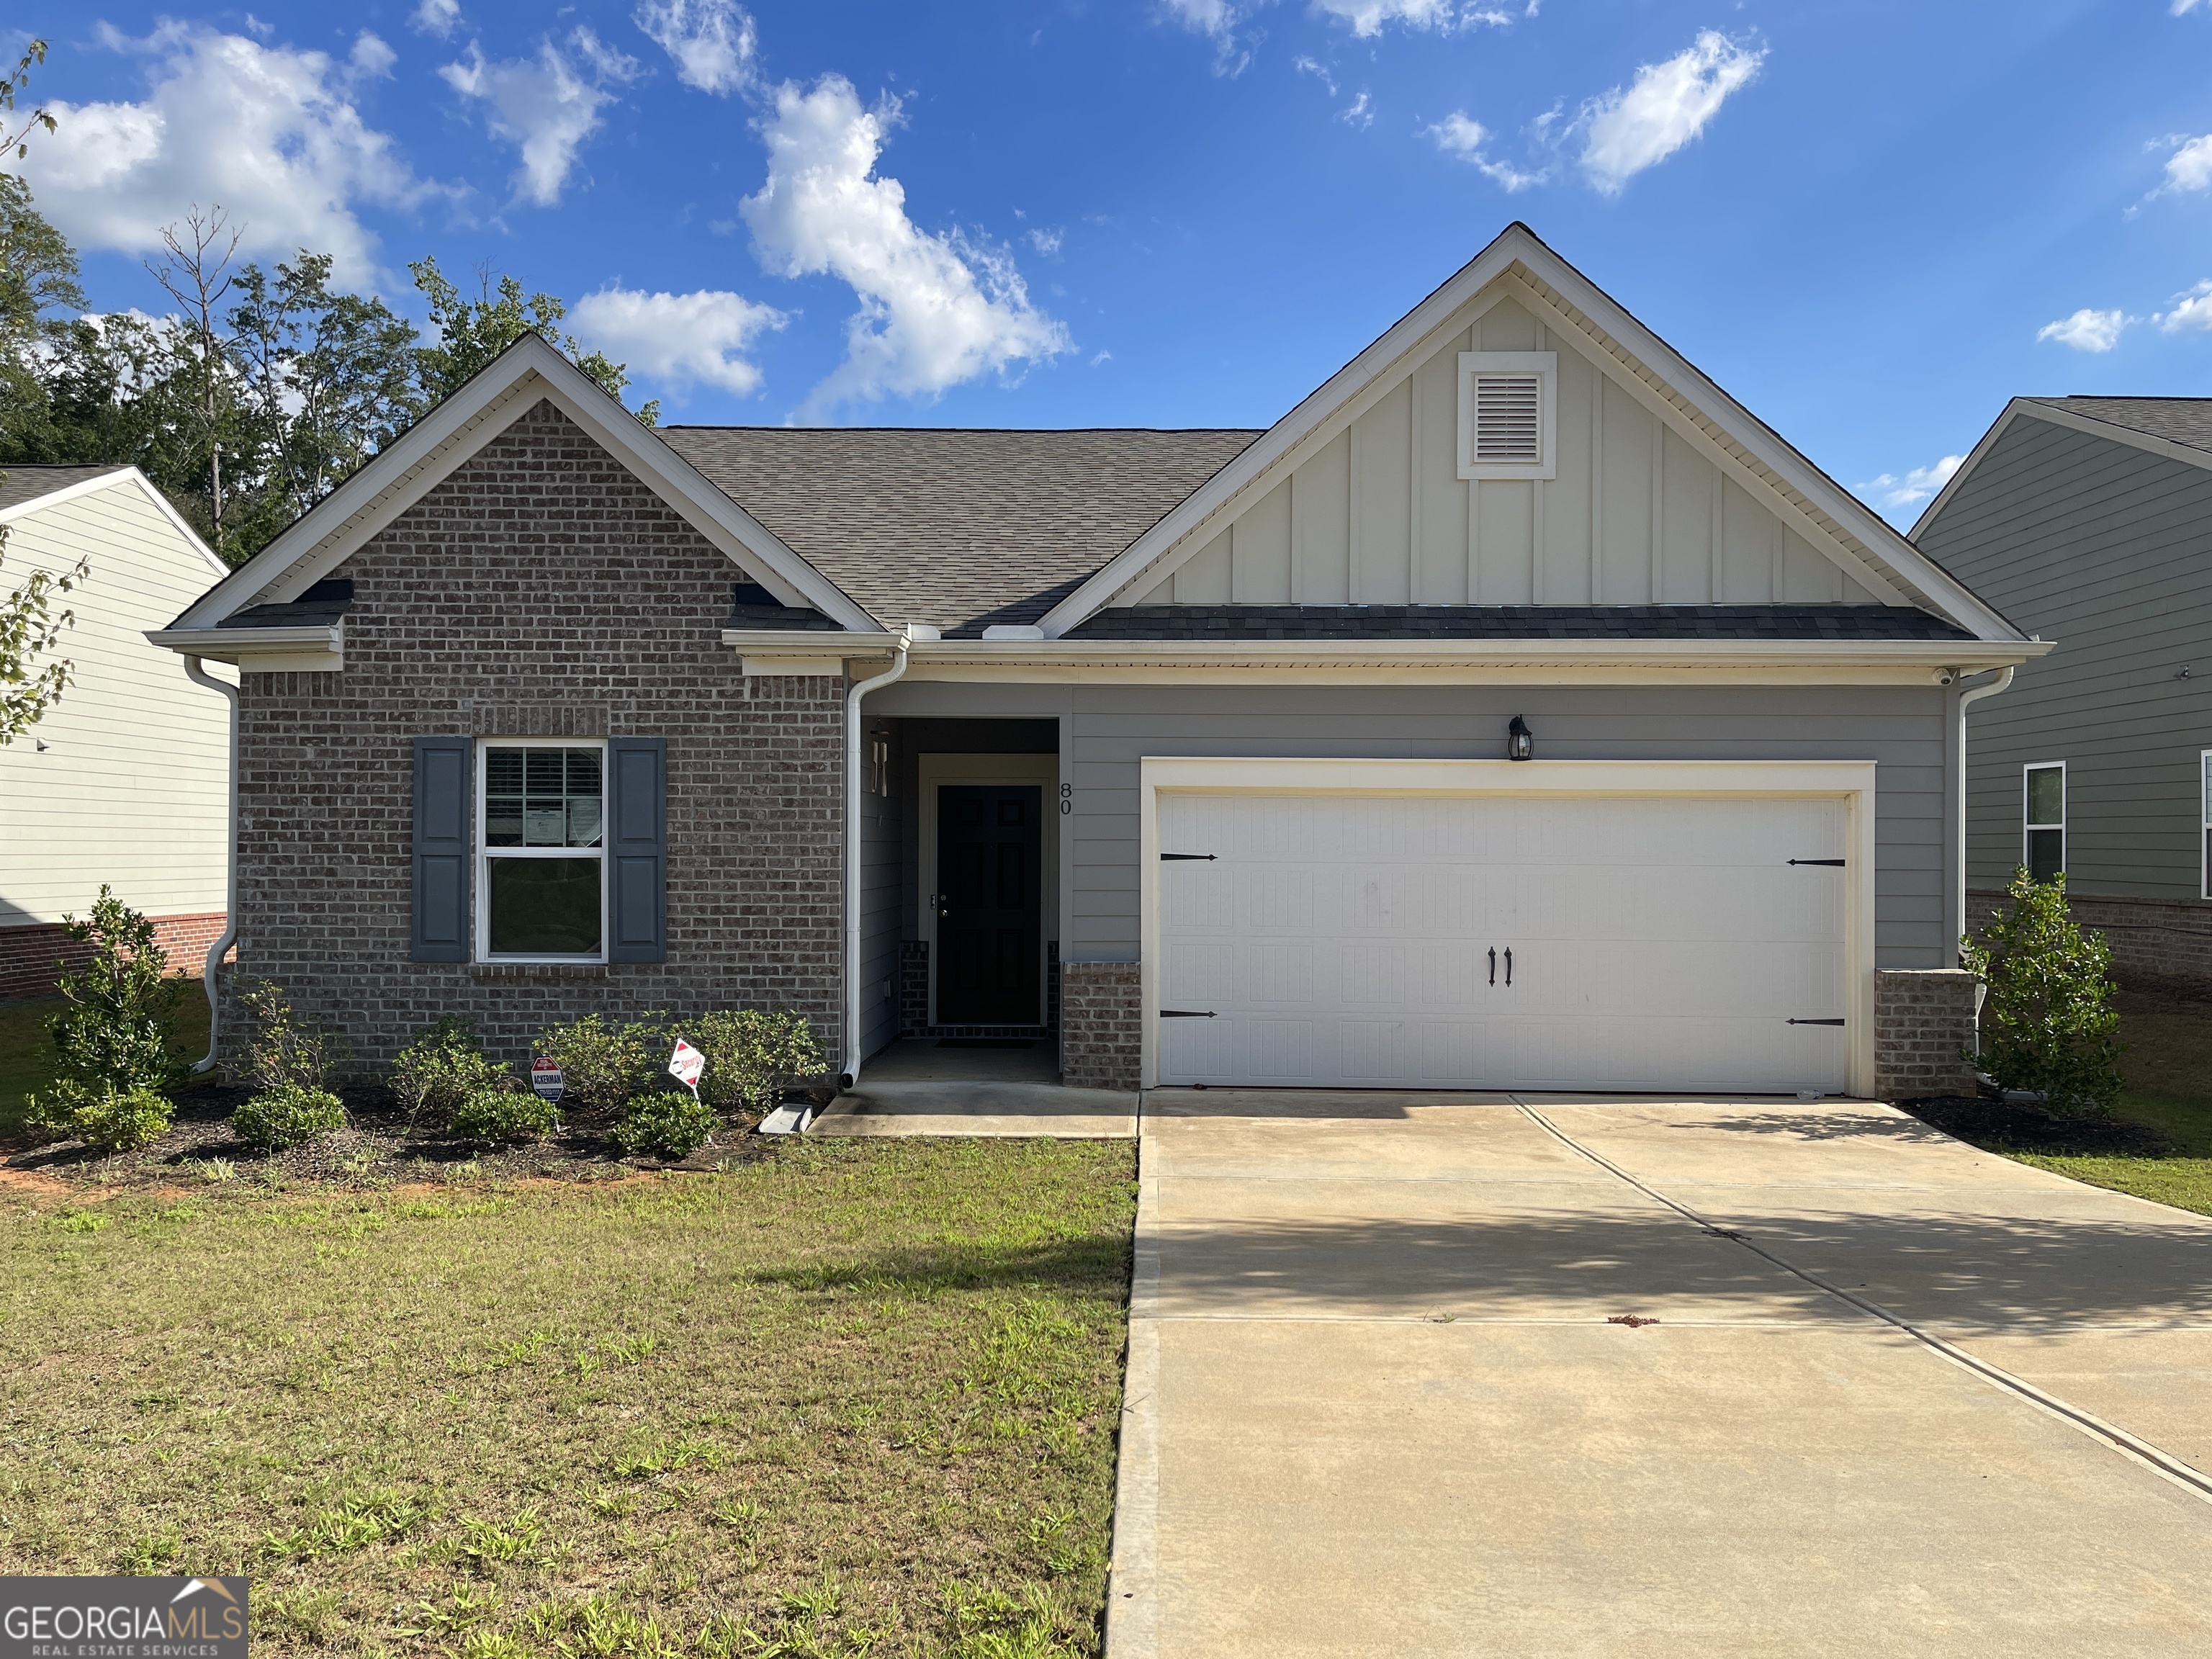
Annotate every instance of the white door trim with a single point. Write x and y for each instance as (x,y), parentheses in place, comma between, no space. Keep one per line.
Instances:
(1043,770)
(1850,781)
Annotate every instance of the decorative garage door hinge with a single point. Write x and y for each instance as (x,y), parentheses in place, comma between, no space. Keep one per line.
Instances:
(1833,863)
(1187,858)
(1816,1022)
(1187,1014)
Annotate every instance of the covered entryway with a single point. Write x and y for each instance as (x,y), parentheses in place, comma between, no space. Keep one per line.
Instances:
(1534,939)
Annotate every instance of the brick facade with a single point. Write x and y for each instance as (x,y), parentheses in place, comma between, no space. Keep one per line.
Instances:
(2170,939)
(1924,1029)
(541,590)
(1100,1041)
(29,954)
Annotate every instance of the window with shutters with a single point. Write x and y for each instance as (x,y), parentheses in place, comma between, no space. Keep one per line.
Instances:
(541,852)
(1508,416)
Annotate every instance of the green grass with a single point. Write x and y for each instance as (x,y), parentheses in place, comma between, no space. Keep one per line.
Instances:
(26,1050)
(858,1397)
(2168,1068)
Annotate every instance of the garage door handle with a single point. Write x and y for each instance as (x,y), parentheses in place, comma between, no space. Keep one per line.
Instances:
(1508,967)
(1493,965)
(1834,863)
(1816,1022)
(1187,858)
(1187,1014)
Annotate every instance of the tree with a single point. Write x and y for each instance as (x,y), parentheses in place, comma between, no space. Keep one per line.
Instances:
(2049,1022)
(193,272)
(10,88)
(472,332)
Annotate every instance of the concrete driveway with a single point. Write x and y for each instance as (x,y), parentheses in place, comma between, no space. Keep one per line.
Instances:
(1899,1395)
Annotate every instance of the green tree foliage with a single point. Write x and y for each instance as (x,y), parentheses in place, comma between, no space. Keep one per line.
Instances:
(2049,1023)
(472,332)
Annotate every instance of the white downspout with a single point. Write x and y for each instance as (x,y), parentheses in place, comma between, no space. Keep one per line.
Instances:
(901,641)
(1966,700)
(221,948)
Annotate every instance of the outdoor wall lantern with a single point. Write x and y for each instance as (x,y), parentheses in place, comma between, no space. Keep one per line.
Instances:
(1520,741)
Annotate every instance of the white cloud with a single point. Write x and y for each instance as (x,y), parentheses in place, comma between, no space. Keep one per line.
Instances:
(1357,114)
(437,17)
(274,135)
(1891,490)
(2182,8)
(1220,20)
(544,106)
(2192,309)
(2087,329)
(2190,167)
(935,310)
(677,338)
(714,42)
(1367,17)
(1465,139)
(1047,242)
(1631,128)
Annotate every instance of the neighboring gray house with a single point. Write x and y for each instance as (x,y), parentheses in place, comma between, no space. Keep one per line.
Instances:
(1194,749)
(2088,522)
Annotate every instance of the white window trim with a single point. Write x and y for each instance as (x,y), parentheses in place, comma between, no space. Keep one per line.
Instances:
(2204,834)
(1545,365)
(2026,827)
(484,854)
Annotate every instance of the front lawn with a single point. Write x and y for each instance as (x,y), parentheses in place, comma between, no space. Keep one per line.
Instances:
(853,1397)
(2157,1143)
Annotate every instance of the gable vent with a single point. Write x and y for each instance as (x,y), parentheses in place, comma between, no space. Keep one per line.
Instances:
(1506,417)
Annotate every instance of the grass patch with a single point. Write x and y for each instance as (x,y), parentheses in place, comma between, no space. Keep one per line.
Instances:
(2157,1142)
(857,1397)
(27,1048)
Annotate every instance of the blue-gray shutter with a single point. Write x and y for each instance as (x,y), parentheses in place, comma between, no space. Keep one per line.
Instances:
(442,855)
(637,849)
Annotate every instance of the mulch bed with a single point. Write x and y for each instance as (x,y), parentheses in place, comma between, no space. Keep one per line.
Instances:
(1991,1123)
(377,1149)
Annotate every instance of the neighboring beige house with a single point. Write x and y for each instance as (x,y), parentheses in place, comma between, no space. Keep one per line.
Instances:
(126,780)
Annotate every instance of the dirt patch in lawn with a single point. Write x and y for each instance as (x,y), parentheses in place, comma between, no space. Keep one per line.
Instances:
(1997,1126)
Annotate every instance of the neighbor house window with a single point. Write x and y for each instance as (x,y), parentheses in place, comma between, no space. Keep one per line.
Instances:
(541,891)
(2205,771)
(2045,852)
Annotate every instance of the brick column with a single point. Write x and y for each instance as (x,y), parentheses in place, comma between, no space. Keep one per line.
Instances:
(1100,1041)
(1924,1029)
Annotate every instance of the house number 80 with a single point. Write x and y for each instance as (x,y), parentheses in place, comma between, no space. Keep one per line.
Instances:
(1067,802)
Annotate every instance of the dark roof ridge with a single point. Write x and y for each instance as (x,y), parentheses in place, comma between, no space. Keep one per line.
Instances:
(982,431)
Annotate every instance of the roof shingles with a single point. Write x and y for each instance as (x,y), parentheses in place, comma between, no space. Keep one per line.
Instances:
(960,529)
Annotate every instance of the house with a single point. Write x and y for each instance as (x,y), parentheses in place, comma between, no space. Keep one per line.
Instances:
(2088,522)
(126,780)
(1194,748)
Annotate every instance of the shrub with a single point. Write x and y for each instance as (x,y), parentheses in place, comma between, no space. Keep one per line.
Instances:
(753,1056)
(667,1122)
(113,1037)
(283,1052)
(2049,1023)
(105,1118)
(441,1068)
(287,1115)
(495,1116)
(603,1063)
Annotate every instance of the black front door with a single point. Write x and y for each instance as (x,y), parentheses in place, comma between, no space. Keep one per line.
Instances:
(990,902)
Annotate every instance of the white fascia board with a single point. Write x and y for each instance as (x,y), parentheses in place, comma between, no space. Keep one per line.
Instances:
(2041,409)
(319,649)
(438,445)
(798,651)
(1517,245)
(1468,662)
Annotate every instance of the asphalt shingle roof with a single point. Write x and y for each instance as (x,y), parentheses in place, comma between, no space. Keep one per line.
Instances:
(2178,420)
(1232,623)
(962,529)
(27,484)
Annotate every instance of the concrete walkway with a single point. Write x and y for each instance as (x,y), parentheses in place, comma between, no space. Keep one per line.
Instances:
(1900,1396)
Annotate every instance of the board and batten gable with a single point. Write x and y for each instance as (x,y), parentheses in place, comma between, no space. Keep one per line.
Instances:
(126,780)
(2106,549)
(1636,515)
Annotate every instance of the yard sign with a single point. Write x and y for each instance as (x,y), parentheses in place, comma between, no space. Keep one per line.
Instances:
(685,1065)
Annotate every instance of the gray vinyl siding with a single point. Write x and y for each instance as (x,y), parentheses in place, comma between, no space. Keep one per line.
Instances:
(2106,549)
(1107,729)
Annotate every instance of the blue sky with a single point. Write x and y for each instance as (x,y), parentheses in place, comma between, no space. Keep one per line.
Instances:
(1872,221)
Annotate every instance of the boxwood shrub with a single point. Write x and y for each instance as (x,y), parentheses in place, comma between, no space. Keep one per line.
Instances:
(291,1115)
(496,1116)
(668,1123)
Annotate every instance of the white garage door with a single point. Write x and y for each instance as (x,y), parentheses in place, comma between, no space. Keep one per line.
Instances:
(1626,943)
